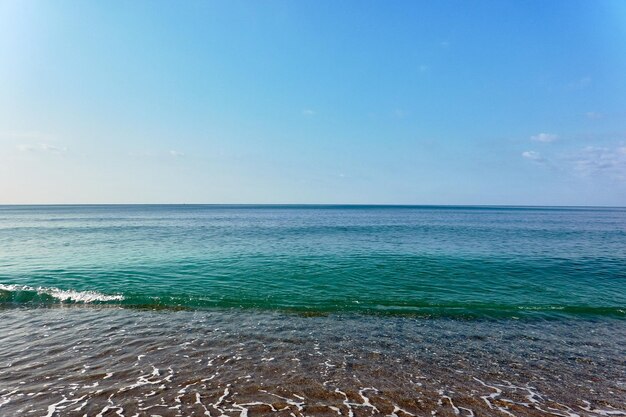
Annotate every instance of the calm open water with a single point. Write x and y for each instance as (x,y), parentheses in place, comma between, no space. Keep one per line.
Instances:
(312,310)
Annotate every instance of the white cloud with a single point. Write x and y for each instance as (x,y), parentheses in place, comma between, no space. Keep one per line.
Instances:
(31,135)
(444,44)
(176,154)
(592,162)
(601,161)
(51,148)
(41,147)
(592,115)
(544,137)
(308,112)
(26,148)
(579,84)
(533,156)
(400,114)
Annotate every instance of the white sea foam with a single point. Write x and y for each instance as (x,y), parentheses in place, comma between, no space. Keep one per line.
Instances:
(64,295)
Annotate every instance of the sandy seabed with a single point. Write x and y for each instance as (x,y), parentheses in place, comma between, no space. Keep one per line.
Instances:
(94,361)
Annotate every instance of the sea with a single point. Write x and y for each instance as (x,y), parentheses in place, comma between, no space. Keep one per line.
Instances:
(312,310)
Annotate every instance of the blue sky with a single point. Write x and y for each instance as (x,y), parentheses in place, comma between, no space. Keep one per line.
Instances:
(390,102)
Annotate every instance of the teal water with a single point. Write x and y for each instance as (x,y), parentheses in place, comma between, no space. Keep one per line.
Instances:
(439,261)
(312,311)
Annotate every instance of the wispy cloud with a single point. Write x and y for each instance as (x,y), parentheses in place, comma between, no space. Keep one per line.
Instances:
(533,156)
(424,68)
(27,135)
(444,44)
(592,115)
(544,137)
(308,112)
(156,153)
(400,114)
(600,161)
(142,154)
(41,147)
(579,84)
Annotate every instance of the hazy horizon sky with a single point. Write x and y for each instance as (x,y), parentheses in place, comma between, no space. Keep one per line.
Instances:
(372,102)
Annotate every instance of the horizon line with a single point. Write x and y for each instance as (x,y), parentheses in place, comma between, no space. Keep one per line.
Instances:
(382,205)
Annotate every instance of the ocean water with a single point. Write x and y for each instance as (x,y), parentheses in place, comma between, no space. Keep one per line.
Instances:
(389,260)
(312,310)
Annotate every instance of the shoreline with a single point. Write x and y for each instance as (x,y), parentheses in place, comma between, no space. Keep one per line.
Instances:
(240,363)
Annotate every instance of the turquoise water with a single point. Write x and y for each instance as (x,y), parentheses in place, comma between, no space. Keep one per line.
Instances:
(441,261)
(312,310)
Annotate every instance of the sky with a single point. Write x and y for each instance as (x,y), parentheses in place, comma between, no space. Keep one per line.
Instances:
(355,102)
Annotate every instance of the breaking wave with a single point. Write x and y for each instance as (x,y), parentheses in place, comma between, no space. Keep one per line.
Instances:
(25,294)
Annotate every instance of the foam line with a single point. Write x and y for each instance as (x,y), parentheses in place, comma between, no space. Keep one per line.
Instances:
(63,295)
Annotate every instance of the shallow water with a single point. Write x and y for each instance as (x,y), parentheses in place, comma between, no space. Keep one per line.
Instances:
(87,361)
